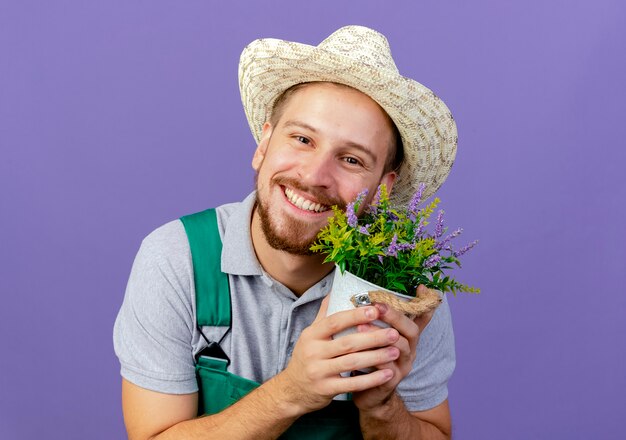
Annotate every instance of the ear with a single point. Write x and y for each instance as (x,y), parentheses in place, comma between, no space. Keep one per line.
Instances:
(389,179)
(261,149)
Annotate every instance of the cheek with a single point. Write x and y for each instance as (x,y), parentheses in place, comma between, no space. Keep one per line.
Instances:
(279,161)
(272,166)
(352,190)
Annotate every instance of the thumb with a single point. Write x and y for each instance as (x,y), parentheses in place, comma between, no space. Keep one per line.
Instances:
(323,308)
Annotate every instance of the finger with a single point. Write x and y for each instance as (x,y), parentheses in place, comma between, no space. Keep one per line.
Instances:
(406,350)
(361,360)
(358,383)
(396,319)
(404,360)
(397,374)
(423,320)
(337,322)
(355,342)
(321,313)
(366,328)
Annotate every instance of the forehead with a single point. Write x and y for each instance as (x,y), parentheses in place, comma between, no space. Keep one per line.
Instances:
(319,90)
(338,110)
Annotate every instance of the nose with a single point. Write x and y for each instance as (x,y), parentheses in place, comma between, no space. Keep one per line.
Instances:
(316,170)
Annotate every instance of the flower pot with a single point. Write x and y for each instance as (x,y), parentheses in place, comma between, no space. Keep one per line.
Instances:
(345,286)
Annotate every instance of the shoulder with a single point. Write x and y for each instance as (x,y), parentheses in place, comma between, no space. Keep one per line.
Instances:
(170,241)
(162,269)
(166,241)
(154,325)
(225,213)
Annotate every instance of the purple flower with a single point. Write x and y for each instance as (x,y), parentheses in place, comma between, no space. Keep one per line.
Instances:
(364,230)
(465,248)
(392,250)
(380,258)
(419,230)
(439,226)
(352,207)
(406,246)
(440,245)
(415,201)
(432,261)
(361,196)
(373,208)
(352,220)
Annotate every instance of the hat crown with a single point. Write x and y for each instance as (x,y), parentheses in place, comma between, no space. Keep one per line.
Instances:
(361,44)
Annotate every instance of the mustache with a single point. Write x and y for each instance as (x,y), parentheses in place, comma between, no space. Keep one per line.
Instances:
(321,196)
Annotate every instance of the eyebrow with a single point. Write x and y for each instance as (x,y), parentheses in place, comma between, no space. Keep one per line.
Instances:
(348,143)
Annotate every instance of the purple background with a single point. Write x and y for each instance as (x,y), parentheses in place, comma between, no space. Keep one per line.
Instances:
(118,116)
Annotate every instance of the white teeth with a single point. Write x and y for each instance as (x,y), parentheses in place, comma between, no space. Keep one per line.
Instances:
(302,203)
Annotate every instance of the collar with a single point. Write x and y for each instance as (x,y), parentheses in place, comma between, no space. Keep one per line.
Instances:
(239,258)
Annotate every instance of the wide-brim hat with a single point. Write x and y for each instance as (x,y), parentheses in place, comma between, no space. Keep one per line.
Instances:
(360,58)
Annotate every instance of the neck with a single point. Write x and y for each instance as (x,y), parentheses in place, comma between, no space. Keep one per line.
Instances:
(297,272)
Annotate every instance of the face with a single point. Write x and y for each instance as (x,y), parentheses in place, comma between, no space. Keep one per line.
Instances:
(330,143)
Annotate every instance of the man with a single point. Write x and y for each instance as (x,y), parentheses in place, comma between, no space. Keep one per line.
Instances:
(330,121)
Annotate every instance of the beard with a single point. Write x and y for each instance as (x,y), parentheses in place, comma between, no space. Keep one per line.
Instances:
(291,235)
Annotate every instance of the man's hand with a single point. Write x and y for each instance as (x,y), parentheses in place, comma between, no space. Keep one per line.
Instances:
(382,412)
(309,382)
(409,331)
(312,377)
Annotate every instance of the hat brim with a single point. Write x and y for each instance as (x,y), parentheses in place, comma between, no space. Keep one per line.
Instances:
(268,67)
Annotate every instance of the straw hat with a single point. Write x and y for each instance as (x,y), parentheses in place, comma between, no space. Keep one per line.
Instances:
(360,58)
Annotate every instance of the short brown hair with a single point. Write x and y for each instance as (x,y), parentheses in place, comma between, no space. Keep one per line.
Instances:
(396,152)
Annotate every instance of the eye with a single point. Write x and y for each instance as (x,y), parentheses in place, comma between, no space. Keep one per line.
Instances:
(303,140)
(352,160)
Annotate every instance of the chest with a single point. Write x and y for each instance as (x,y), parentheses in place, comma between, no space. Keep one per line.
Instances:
(266,322)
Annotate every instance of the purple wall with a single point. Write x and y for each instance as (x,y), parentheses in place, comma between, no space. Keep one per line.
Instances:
(118,116)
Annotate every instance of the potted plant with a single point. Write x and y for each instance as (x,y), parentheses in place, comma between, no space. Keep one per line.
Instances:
(384,253)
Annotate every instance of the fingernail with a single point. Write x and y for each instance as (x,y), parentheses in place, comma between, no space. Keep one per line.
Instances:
(382,308)
(369,312)
(392,335)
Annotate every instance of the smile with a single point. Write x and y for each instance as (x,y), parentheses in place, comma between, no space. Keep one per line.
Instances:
(303,203)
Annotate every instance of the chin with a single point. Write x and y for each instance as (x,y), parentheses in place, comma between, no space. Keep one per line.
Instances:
(288,234)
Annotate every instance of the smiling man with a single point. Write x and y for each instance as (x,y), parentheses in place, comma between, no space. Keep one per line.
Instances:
(329,143)
(223,331)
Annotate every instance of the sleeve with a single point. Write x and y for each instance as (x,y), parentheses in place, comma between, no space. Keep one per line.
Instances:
(154,327)
(426,386)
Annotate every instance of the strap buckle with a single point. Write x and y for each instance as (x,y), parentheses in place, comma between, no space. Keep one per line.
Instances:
(214,351)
